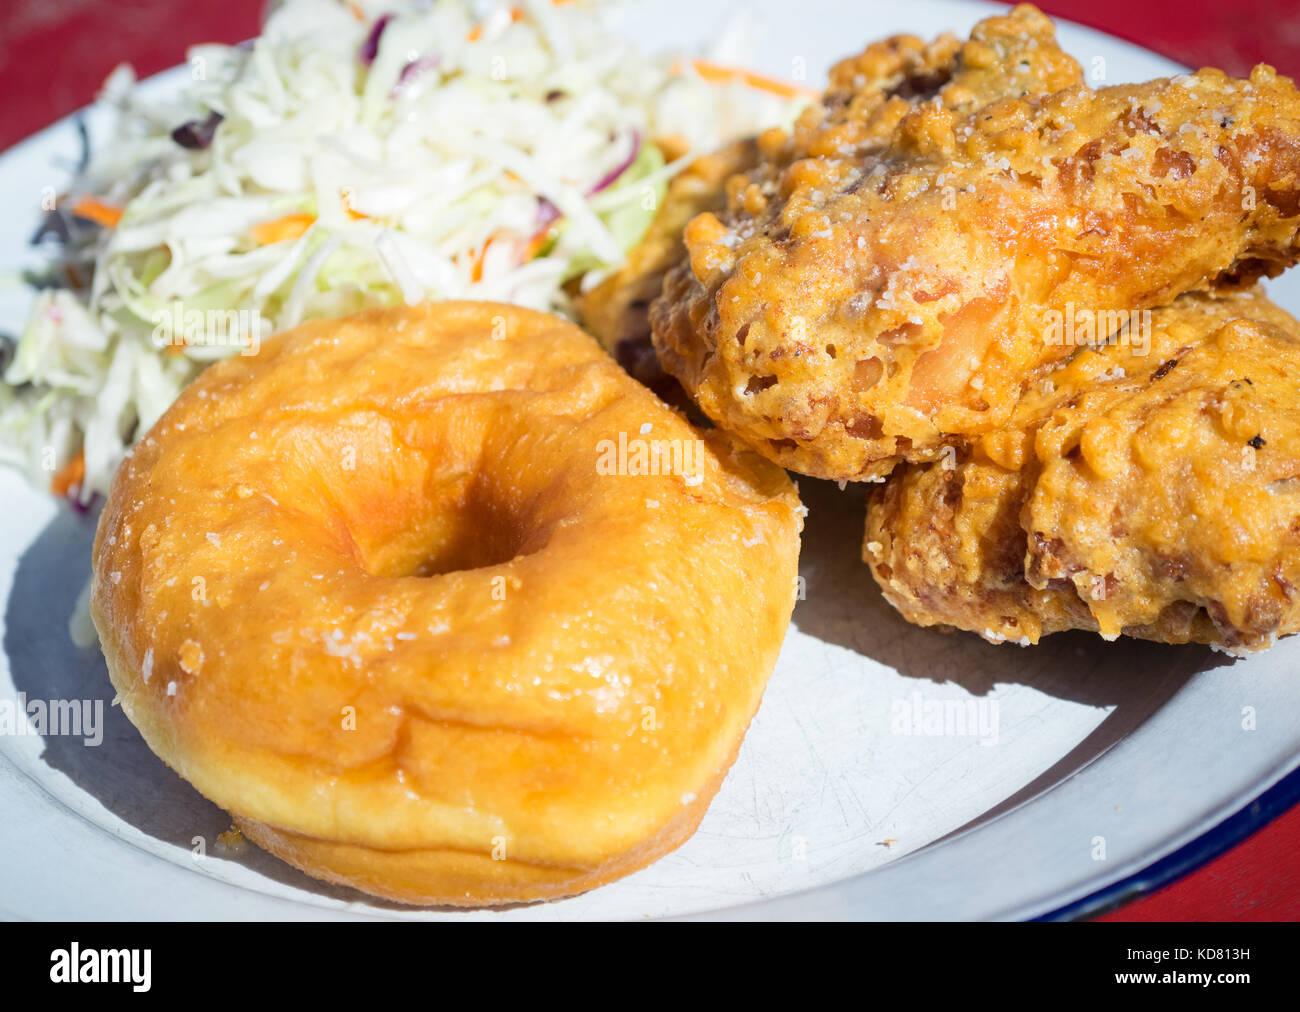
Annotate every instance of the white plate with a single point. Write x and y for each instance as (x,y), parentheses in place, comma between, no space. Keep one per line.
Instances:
(1106,758)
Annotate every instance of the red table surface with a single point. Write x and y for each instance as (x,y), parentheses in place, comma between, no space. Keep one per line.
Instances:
(55,53)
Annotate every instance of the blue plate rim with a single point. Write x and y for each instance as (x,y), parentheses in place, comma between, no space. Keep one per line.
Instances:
(1215,842)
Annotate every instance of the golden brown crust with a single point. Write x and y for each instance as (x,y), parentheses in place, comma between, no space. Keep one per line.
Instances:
(903,68)
(617,311)
(1154,493)
(883,282)
(374,592)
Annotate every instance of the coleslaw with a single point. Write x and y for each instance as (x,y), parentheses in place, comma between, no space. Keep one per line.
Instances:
(355,154)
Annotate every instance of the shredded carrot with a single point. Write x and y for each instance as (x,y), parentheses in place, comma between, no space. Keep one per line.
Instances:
(357,12)
(535,244)
(526,249)
(476,33)
(70,476)
(291,226)
(97,211)
(719,73)
(346,198)
(477,258)
(516,15)
(533,247)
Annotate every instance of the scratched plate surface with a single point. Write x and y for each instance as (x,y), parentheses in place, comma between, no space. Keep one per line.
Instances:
(859,791)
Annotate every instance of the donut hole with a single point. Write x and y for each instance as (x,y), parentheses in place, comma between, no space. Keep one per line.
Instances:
(467,530)
(401,507)
(457,525)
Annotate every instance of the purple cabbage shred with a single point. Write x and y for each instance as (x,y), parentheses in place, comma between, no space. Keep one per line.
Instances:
(197,134)
(370,48)
(612,176)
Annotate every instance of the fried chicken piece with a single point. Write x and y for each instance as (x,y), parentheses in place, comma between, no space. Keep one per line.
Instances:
(888,278)
(617,311)
(896,75)
(1150,487)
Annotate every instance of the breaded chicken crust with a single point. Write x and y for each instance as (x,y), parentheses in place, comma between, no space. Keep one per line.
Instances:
(902,70)
(1152,494)
(884,282)
(617,311)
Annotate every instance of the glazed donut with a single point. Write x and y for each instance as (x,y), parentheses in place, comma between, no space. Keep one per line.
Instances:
(442,605)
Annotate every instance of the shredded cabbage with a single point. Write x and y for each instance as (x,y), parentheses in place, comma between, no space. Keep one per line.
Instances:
(364,154)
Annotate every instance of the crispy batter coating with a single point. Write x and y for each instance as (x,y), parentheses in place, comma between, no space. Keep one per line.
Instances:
(885,281)
(617,311)
(1153,494)
(901,71)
